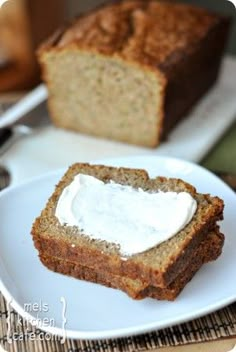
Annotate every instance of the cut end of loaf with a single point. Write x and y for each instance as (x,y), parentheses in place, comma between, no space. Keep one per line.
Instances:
(89,90)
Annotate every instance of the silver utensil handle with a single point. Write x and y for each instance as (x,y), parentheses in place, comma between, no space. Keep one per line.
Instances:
(7,139)
(25,105)
(5,134)
(8,136)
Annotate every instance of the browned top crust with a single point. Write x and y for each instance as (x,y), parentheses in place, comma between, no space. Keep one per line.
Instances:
(148,32)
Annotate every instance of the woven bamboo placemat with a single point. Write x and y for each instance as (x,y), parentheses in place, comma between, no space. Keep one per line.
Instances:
(18,335)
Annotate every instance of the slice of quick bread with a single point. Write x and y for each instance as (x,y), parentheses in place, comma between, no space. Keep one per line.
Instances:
(209,250)
(158,266)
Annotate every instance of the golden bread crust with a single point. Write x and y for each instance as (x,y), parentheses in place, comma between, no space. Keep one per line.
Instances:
(147,32)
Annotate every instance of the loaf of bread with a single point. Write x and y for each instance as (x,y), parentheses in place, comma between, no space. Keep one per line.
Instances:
(130,70)
(158,266)
(209,250)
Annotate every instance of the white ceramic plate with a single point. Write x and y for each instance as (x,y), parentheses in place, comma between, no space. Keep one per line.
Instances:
(93,311)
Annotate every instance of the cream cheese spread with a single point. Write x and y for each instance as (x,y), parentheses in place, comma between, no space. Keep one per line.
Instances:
(133,219)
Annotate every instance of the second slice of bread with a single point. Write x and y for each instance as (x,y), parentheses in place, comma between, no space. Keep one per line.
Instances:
(208,250)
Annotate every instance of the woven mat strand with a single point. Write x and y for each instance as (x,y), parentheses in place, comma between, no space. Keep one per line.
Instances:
(19,336)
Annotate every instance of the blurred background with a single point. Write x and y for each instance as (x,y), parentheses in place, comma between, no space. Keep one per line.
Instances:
(26,23)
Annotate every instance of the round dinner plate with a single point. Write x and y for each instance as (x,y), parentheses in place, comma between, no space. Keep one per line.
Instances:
(60,304)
